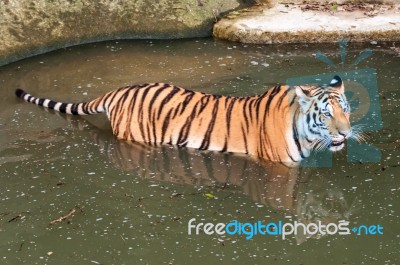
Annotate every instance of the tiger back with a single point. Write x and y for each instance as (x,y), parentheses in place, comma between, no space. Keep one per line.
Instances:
(164,114)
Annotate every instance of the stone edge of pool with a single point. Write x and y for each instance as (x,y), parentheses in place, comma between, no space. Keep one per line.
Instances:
(289,24)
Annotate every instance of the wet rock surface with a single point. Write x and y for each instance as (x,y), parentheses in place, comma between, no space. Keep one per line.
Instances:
(29,27)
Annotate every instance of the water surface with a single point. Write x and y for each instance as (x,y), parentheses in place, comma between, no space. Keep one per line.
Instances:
(132,203)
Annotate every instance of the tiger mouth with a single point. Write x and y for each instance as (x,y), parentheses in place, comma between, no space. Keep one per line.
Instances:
(336,145)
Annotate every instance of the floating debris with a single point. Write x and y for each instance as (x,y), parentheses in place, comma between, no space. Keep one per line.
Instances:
(210,196)
(63,217)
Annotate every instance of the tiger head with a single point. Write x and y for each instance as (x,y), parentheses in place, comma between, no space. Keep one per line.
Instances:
(327,114)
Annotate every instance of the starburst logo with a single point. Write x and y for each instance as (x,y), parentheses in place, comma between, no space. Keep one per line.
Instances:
(362,94)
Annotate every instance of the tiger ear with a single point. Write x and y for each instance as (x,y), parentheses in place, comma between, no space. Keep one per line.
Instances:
(337,83)
(303,92)
(304,96)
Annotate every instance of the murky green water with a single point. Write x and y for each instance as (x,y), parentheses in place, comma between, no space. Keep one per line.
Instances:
(131,204)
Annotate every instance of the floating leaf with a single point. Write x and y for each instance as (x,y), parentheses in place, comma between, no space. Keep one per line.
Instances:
(210,196)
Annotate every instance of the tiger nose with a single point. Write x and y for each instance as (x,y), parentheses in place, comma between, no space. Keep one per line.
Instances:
(345,134)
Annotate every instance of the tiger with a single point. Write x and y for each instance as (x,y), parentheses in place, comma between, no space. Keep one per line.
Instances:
(284,124)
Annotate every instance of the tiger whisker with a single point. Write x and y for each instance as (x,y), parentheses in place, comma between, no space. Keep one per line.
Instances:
(321,144)
(358,134)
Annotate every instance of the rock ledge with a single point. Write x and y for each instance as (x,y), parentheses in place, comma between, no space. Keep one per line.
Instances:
(292,24)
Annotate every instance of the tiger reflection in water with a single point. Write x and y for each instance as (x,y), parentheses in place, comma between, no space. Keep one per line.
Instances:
(269,183)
